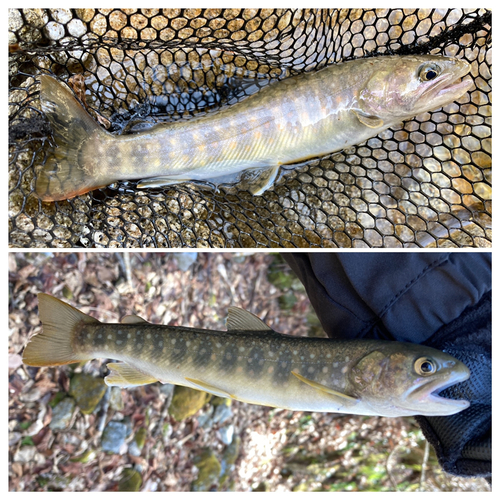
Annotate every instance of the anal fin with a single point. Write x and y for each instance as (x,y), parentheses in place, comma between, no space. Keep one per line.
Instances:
(210,388)
(123,375)
(158,182)
(341,399)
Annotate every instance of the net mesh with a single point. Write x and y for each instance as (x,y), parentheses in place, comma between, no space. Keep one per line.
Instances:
(425,183)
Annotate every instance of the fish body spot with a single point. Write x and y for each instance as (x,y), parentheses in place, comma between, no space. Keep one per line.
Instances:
(158,341)
(255,362)
(99,339)
(229,358)
(139,340)
(180,351)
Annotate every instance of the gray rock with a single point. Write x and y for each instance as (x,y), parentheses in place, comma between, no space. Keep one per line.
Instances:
(226,434)
(62,413)
(113,437)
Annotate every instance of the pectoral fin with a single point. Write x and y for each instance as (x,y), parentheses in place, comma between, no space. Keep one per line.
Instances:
(210,388)
(123,375)
(341,399)
(371,121)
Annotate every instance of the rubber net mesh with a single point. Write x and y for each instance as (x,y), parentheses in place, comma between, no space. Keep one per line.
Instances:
(425,183)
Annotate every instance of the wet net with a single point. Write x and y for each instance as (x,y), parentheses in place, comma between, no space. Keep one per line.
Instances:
(425,183)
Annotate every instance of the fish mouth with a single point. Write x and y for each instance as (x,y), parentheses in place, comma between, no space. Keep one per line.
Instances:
(428,396)
(450,83)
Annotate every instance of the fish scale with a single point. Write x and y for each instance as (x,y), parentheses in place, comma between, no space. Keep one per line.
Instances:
(252,363)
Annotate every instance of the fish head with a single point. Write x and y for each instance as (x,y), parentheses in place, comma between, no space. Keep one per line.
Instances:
(399,88)
(401,379)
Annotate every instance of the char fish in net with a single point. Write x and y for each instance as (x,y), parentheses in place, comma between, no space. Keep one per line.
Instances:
(291,121)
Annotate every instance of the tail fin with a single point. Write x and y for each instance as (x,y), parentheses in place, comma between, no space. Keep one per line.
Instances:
(74,168)
(54,346)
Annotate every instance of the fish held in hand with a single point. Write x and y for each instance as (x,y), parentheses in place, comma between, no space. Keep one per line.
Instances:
(288,122)
(252,363)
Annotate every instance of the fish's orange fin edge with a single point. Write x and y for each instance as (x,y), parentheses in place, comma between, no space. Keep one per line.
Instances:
(77,165)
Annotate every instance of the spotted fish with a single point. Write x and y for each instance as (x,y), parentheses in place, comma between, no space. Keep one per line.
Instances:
(252,363)
(287,122)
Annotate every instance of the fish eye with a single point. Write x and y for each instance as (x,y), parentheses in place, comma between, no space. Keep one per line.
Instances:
(428,72)
(425,366)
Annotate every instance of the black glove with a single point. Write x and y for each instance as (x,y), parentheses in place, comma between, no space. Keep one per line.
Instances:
(463,441)
(439,299)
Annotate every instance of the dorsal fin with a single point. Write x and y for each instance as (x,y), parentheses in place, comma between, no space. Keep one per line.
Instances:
(132,319)
(239,319)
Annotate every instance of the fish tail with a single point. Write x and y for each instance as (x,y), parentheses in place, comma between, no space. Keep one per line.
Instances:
(74,166)
(54,345)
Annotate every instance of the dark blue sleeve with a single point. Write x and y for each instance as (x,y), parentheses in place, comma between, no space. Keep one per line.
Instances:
(397,296)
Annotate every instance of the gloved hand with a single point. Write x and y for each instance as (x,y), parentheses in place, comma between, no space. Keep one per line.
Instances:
(439,299)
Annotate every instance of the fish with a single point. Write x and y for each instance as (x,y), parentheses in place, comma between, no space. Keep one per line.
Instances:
(252,363)
(288,122)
